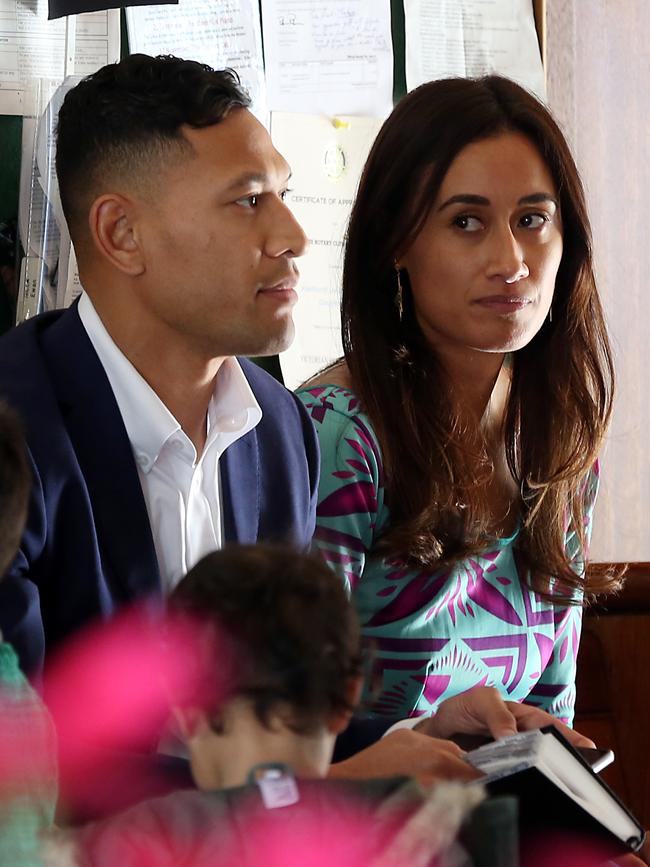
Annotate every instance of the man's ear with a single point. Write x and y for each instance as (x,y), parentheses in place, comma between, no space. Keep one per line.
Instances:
(111,224)
(339,720)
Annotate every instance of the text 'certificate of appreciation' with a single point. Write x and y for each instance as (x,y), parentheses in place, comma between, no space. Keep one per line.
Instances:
(32,47)
(217,32)
(470,38)
(326,157)
(330,56)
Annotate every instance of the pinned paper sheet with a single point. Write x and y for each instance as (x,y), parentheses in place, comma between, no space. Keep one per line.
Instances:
(43,231)
(326,156)
(470,38)
(329,56)
(32,47)
(221,33)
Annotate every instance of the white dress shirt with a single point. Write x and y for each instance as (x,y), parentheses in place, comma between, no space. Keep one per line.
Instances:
(182,494)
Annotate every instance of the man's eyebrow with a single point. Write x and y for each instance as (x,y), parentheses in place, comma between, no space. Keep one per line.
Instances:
(250,179)
(472,199)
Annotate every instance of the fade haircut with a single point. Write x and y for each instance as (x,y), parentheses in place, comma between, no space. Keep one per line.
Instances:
(283,625)
(14,486)
(126,119)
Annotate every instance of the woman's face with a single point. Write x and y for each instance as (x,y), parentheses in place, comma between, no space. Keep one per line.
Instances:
(483,268)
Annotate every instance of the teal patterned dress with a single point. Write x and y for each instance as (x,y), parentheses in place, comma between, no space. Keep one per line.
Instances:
(435,633)
(27,766)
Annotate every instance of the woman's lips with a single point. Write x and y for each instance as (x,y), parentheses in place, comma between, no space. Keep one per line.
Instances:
(503,303)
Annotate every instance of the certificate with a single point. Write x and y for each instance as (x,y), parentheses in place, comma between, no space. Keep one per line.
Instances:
(326,156)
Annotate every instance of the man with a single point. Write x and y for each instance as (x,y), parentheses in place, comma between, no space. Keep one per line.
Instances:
(151,443)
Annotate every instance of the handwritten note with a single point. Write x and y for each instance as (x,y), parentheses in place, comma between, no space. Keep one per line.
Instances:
(470,38)
(217,32)
(333,57)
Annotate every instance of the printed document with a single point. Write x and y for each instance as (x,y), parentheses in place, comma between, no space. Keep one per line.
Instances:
(33,47)
(472,37)
(217,32)
(330,56)
(42,227)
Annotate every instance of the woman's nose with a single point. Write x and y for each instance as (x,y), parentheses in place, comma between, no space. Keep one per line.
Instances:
(506,258)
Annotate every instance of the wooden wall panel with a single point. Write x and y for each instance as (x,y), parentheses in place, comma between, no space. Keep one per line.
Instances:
(613,705)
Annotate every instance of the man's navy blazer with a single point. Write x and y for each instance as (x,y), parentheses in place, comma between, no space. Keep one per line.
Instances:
(87,548)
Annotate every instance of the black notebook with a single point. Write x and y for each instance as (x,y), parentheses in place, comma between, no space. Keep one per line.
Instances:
(556,788)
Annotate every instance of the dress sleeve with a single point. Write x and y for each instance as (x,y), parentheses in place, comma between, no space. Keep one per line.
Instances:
(350,496)
(555,690)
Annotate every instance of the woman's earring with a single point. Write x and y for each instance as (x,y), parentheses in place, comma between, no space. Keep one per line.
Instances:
(550,314)
(399,295)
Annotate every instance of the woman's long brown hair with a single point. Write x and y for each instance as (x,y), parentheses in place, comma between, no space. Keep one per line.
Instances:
(562,381)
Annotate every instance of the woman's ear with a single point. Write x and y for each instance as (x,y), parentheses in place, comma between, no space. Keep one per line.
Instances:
(339,720)
(112,229)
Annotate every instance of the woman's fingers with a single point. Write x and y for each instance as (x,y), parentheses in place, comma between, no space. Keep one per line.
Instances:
(482,710)
(409,753)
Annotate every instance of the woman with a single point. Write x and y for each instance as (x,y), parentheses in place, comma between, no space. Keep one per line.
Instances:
(460,432)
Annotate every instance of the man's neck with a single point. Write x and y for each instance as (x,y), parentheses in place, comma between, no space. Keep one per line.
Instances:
(185,389)
(182,376)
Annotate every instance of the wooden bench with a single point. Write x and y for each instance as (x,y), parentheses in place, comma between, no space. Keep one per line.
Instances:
(613,688)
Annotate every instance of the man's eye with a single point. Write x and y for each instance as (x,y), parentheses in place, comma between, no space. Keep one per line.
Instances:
(468,223)
(284,195)
(248,201)
(533,221)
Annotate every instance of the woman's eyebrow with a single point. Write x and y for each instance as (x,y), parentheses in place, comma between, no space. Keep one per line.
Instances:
(538,198)
(464,199)
(473,199)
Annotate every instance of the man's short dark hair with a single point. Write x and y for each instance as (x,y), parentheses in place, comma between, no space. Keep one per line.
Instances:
(14,486)
(127,115)
(291,633)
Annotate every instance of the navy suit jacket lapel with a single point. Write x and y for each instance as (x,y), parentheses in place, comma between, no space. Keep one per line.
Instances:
(240,490)
(99,438)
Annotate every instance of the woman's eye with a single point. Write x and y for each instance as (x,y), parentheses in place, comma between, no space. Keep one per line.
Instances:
(533,221)
(284,195)
(468,223)
(248,201)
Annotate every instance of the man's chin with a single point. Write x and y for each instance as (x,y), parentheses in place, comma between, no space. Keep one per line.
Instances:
(276,343)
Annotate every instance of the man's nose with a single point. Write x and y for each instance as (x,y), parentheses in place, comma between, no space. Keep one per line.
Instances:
(286,237)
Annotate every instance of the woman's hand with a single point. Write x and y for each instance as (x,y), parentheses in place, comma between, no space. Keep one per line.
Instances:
(408,753)
(482,711)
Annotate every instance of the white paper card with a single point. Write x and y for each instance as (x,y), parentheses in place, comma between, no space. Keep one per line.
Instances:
(217,32)
(470,38)
(330,56)
(33,47)
(326,159)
